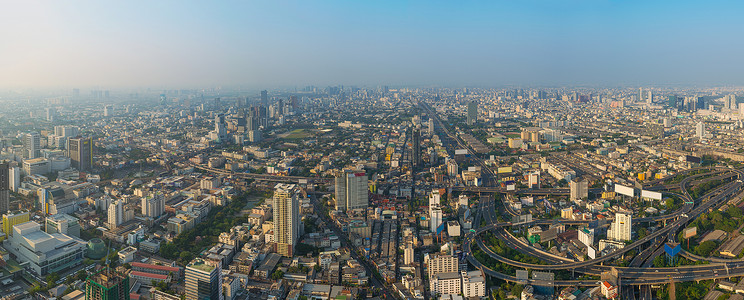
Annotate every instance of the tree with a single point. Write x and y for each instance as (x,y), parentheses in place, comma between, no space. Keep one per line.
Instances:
(52,278)
(278,274)
(705,248)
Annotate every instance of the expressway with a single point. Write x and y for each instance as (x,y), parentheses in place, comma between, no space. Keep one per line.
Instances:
(639,273)
(264,177)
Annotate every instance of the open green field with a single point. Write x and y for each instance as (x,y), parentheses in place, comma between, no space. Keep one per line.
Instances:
(297,134)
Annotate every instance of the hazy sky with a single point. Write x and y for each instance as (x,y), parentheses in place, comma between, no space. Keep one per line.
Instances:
(286,43)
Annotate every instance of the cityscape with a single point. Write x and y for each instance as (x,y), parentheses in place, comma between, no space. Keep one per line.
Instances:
(357,177)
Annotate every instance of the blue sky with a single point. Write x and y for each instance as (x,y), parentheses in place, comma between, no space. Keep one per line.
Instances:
(297,43)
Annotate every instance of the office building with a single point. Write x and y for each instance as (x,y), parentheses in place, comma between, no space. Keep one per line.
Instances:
(12,219)
(700,130)
(472,113)
(620,229)
(107,284)
(63,223)
(203,280)
(31,145)
(115,214)
(352,191)
(80,151)
(45,253)
(579,189)
(286,218)
(5,187)
(153,205)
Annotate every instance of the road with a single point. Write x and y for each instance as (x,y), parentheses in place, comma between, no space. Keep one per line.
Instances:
(386,290)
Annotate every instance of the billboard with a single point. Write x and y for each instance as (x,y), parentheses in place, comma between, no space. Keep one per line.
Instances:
(461,151)
(690,232)
(505,170)
(511,187)
(624,190)
(591,252)
(650,195)
(692,159)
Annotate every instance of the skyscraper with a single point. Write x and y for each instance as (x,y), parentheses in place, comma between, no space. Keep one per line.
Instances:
(472,113)
(352,191)
(80,151)
(31,145)
(203,280)
(700,130)
(286,218)
(264,97)
(107,284)
(108,110)
(5,180)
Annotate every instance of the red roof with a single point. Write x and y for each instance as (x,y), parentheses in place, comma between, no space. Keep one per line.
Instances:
(133,296)
(156,267)
(149,275)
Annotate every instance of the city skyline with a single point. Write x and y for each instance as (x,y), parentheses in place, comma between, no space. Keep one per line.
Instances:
(286,44)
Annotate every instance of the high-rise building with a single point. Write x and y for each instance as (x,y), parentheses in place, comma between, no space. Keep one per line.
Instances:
(435,214)
(533,180)
(50,114)
(204,280)
(80,151)
(442,263)
(586,236)
(579,189)
(700,130)
(472,113)
(13,219)
(408,257)
(31,145)
(108,110)
(14,176)
(264,97)
(115,214)
(352,191)
(286,218)
(107,284)
(5,183)
(672,101)
(153,206)
(621,228)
